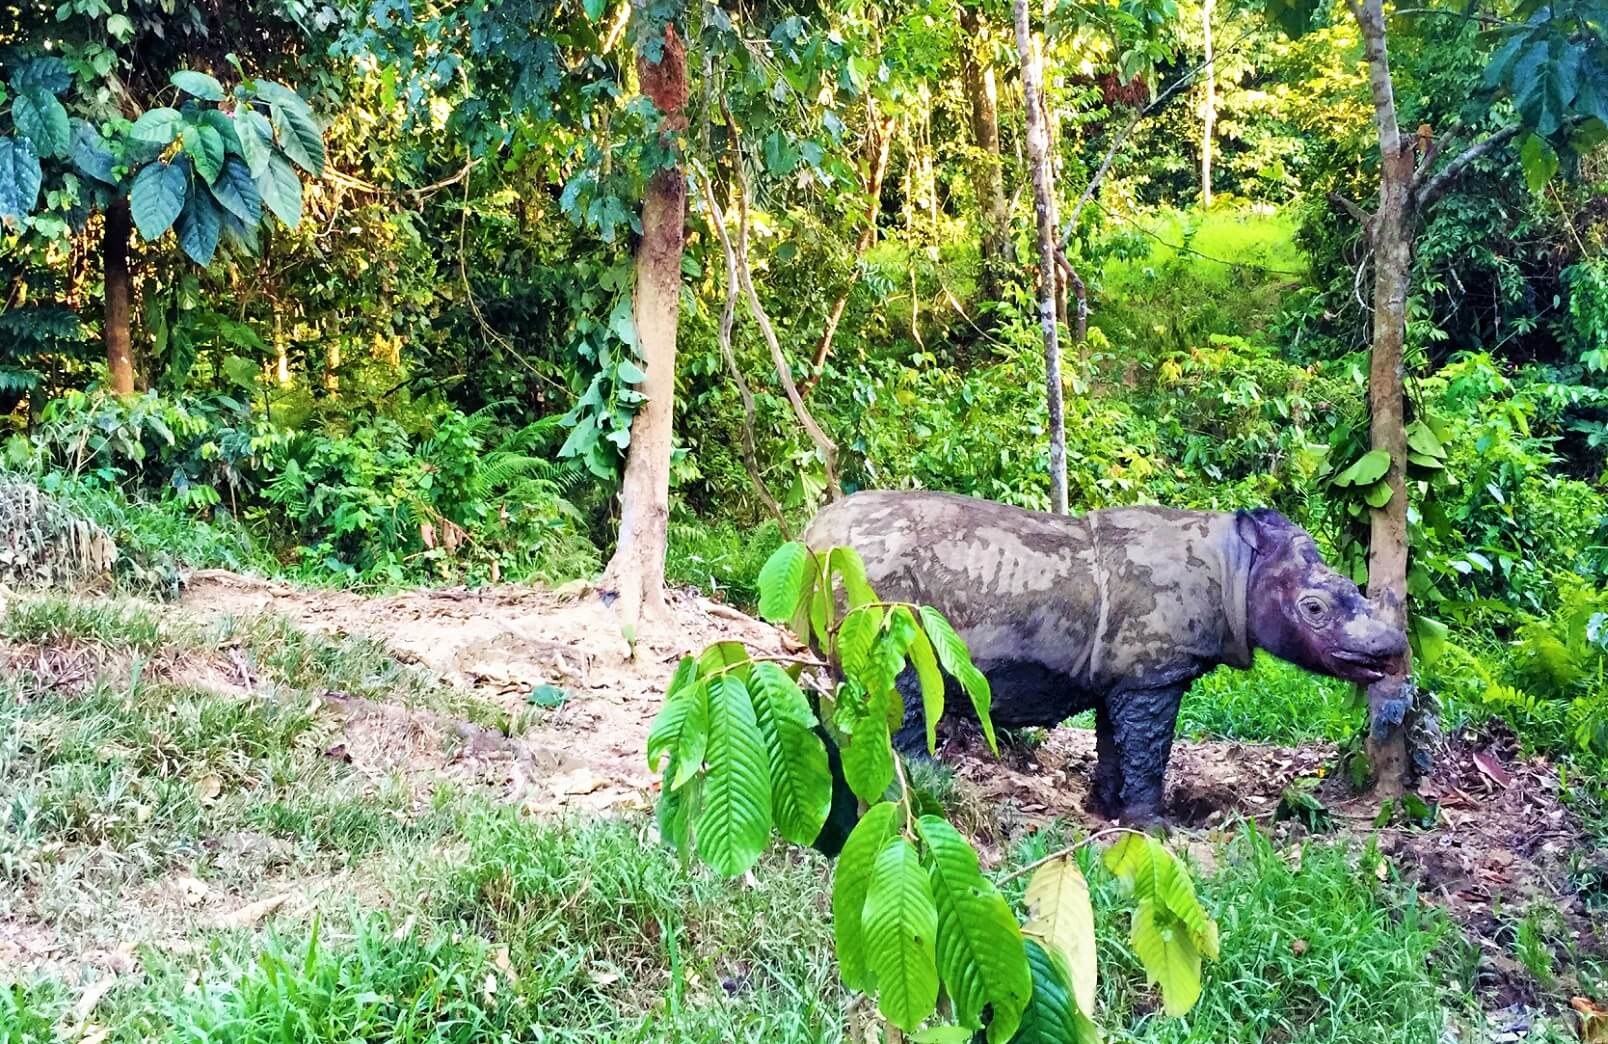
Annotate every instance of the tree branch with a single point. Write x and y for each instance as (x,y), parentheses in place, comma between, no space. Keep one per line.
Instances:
(1425,193)
(1362,216)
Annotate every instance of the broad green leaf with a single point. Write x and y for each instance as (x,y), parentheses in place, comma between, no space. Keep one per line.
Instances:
(1365,470)
(199,227)
(593,8)
(1539,161)
(1377,495)
(801,778)
(256,139)
(278,94)
(850,879)
(236,192)
(868,755)
(1422,438)
(901,924)
(41,119)
(735,821)
(1430,637)
(224,124)
(782,581)
(1155,875)
(1061,918)
(20,178)
(1052,1015)
(932,685)
(681,730)
(157,197)
(676,811)
(723,655)
(157,126)
(952,653)
(943,1035)
(980,956)
(197,83)
(281,189)
(43,72)
(204,146)
(848,566)
(1169,956)
(855,635)
(91,154)
(300,137)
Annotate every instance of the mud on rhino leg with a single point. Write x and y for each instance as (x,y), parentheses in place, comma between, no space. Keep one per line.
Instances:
(1105,798)
(911,739)
(1143,721)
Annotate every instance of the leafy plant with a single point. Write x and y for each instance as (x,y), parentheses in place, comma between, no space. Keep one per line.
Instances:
(745,752)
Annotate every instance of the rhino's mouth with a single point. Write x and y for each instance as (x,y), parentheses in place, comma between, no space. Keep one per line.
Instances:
(1362,667)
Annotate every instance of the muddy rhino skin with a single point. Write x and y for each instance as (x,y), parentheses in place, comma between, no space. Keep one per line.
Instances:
(1118,610)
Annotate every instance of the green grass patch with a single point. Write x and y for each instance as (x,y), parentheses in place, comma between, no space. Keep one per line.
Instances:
(1274,702)
(721,560)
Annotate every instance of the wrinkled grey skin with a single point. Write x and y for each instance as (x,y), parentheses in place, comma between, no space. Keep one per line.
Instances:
(1118,610)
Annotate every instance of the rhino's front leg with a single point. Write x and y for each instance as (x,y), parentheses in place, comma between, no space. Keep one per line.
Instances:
(1142,724)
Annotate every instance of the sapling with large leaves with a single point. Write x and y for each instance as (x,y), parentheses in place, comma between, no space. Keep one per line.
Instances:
(745,743)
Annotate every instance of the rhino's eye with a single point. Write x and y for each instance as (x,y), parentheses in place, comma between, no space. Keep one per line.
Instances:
(1313,608)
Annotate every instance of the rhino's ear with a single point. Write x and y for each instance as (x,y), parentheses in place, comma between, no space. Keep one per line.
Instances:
(1263,530)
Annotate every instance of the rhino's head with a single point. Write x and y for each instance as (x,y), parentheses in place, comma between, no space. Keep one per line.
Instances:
(1302,611)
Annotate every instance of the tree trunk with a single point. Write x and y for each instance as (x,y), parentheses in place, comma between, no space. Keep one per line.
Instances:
(997,252)
(119,291)
(1209,109)
(1044,209)
(636,571)
(1390,234)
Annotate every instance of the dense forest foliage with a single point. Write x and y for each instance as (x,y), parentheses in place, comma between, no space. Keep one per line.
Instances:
(390,294)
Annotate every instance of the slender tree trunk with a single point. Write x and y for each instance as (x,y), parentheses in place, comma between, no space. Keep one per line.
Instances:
(119,289)
(636,571)
(1390,234)
(988,175)
(1044,208)
(1209,109)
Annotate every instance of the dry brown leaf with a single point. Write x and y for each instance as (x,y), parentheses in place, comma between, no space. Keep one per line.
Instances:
(92,996)
(209,787)
(1593,1020)
(1492,769)
(251,913)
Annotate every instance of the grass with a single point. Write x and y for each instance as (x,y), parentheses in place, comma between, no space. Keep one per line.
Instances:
(438,913)
(720,559)
(1274,702)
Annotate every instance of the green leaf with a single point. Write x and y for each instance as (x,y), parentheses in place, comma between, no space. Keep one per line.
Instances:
(681,729)
(851,877)
(199,227)
(593,8)
(782,581)
(1430,637)
(204,146)
(901,924)
(1422,438)
(44,72)
(91,154)
(676,812)
(300,137)
(952,653)
(157,126)
(281,189)
(1052,1015)
(848,566)
(1365,470)
(157,198)
(1377,495)
(868,755)
(979,944)
(1169,956)
(722,655)
(256,139)
(932,686)
(547,696)
(735,822)
(41,119)
(1155,875)
(197,83)
(801,778)
(1293,17)
(1061,918)
(1539,161)
(855,635)
(20,178)
(943,1035)
(236,192)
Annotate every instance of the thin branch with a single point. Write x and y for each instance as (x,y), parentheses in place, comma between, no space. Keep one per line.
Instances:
(1064,852)
(1426,193)
(1362,216)
(347,181)
(728,317)
(784,371)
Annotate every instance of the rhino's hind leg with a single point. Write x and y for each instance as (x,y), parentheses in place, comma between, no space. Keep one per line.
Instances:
(1143,721)
(1105,798)
(911,739)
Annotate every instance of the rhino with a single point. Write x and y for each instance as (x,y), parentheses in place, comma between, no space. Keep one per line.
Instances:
(1118,610)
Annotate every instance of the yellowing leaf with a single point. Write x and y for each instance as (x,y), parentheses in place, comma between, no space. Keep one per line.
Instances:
(1169,956)
(1061,918)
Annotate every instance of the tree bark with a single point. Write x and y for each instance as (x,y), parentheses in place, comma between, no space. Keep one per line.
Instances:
(635,573)
(1209,109)
(1044,209)
(119,291)
(1390,232)
(997,251)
